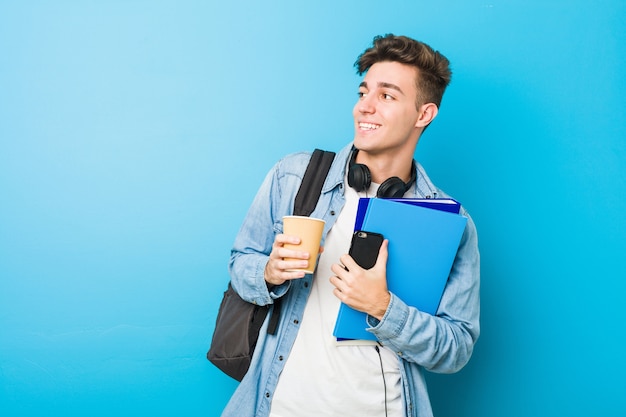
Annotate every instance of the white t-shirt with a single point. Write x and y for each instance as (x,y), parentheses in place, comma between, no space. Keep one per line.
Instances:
(321,377)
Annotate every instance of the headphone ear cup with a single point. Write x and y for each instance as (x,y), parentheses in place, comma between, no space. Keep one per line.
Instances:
(359,177)
(393,187)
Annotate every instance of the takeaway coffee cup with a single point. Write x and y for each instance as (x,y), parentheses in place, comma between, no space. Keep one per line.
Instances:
(309,230)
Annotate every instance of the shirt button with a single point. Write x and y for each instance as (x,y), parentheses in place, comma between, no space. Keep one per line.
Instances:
(280,358)
(267,394)
(332,212)
(296,321)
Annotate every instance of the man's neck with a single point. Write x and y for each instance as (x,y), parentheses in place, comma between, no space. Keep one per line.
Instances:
(384,166)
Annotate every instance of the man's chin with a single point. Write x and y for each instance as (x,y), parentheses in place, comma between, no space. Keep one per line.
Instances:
(365,144)
(362,141)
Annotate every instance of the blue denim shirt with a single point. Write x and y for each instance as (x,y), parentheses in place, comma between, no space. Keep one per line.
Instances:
(441,343)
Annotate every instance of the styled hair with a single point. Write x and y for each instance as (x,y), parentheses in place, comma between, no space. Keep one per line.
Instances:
(433,69)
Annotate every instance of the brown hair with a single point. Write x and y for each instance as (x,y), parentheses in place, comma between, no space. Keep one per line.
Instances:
(433,69)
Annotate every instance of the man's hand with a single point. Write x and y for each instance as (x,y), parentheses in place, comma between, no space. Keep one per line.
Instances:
(363,289)
(277,270)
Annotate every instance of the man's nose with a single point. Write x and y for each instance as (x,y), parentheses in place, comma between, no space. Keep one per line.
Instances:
(366,104)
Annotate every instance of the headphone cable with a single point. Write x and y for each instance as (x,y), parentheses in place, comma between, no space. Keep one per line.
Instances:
(382,372)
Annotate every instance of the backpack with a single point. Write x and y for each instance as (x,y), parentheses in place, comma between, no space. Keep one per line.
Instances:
(239,322)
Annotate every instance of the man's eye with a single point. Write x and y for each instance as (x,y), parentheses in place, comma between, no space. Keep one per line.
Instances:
(361,94)
(387,97)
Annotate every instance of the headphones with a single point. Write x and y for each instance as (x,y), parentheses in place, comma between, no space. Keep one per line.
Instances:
(360,178)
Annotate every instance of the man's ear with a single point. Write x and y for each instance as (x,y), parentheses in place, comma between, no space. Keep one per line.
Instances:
(427,113)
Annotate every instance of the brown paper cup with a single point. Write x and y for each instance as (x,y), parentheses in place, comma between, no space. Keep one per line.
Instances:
(309,230)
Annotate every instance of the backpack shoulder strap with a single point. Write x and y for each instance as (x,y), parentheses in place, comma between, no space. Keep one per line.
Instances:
(304,204)
(312,182)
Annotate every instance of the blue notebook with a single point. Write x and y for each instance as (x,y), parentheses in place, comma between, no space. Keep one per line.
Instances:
(423,242)
(444,204)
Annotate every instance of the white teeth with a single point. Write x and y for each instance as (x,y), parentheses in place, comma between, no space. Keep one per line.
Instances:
(368,126)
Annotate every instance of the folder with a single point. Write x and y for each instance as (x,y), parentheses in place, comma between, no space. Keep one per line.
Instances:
(444,204)
(423,242)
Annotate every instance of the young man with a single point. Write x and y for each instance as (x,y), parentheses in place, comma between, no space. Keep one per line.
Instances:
(302,371)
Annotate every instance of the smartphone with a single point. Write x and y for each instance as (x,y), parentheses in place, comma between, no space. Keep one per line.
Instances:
(364,248)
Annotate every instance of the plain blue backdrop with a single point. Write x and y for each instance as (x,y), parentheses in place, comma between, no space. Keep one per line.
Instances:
(134,134)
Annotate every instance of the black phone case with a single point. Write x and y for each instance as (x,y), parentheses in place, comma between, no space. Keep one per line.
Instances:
(364,248)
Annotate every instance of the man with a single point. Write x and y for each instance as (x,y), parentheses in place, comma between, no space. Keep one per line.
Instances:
(302,371)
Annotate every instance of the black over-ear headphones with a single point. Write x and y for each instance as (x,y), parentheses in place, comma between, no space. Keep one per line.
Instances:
(360,178)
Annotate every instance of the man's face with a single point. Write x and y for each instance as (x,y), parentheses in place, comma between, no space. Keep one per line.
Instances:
(386,116)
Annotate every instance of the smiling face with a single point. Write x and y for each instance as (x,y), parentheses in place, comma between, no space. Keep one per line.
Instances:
(386,117)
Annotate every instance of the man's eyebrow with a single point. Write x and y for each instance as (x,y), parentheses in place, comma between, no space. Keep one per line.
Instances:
(384,85)
(391,86)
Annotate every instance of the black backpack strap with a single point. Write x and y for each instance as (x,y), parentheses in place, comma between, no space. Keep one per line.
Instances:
(273,324)
(312,182)
(304,204)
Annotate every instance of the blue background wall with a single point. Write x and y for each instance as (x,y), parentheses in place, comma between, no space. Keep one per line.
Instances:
(134,134)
